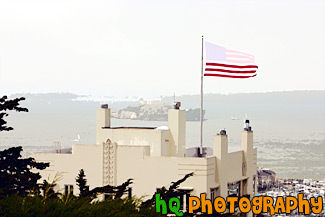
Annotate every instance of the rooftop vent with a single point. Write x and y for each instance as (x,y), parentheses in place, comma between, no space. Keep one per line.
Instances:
(177,105)
(246,126)
(104,106)
(223,132)
(196,152)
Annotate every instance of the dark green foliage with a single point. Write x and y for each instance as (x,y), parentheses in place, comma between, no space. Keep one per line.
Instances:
(82,183)
(48,190)
(33,206)
(16,206)
(15,172)
(165,193)
(116,191)
(5,105)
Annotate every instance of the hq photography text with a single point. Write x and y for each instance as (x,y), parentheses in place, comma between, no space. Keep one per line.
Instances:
(258,205)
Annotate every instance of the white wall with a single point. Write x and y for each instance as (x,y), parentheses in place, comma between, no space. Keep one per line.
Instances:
(150,173)
(156,139)
(86,157)
(234,166)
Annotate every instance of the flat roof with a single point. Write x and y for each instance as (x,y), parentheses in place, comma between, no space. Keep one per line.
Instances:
(138,128)
(56,151)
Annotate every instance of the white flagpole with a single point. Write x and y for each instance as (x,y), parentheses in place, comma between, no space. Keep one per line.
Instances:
(201,109)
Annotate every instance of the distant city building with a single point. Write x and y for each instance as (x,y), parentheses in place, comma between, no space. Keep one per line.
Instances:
(152,110)
(266,179)
(151,102)
(154,157)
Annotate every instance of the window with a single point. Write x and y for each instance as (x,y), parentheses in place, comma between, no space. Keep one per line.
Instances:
(68,189)
(254,181)
(183,197)
(234,189)
(129,192)
(244,189)
(213,193)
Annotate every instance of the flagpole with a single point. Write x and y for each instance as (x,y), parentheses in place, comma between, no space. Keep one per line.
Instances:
(201,109)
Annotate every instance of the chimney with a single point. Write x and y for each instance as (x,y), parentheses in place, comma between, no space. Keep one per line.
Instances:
(247,137)
(177,127)
(249,168)
(103,117)
(220,150)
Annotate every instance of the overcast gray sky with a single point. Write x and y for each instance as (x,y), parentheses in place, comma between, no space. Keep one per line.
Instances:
(153,48)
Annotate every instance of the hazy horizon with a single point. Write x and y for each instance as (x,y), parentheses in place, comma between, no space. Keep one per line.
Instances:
(136,97)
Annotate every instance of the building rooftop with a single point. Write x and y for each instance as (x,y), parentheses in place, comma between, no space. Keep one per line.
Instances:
(138,128)
(57,151)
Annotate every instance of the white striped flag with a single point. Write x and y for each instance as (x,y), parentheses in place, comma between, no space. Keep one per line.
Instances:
(222,62)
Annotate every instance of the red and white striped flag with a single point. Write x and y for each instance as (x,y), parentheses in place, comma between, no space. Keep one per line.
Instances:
(223,62)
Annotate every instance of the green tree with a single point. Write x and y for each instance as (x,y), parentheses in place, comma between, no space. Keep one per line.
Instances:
(16,176)
(15,172)
(82,183)
(165,193)
(48,190)
(116,191)
(7,105)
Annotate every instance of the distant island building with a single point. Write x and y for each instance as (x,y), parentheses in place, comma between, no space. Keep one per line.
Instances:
(152,110)
(154,157)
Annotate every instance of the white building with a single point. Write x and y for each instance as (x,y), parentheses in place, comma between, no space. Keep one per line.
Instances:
(154,157)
